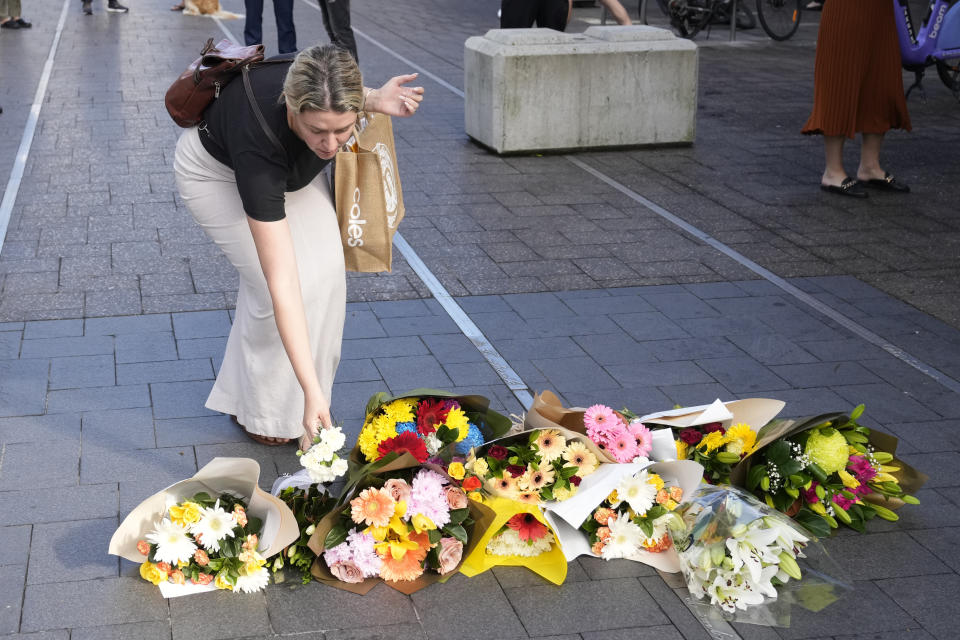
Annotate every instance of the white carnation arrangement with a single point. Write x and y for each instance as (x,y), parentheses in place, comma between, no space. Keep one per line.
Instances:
(321,460)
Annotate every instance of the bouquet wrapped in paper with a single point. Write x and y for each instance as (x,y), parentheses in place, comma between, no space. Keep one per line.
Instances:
(829,470)
(516,534)
(750,563)
(540,465)
(623,511)
(424,423)
(408,527)
(620,436)
(214,530)
(717,436)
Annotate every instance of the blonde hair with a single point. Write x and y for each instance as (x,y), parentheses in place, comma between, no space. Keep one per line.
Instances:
(323,78)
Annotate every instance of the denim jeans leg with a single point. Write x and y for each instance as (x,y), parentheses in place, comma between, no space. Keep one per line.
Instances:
(336,20)
(253,27)
(286,33)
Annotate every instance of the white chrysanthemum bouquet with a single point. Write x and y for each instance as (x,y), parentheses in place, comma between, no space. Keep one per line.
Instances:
(321,460)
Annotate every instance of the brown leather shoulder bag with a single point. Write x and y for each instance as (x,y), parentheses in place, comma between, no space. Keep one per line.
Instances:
(198,86)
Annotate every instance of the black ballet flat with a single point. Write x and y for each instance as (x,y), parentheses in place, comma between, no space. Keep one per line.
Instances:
(887,183)
(849,187)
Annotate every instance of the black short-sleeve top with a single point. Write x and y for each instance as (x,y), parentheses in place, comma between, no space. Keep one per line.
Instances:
(234,137)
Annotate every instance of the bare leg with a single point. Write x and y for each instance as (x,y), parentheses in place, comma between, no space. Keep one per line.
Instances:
(834,173)
(870,168)
(617,11)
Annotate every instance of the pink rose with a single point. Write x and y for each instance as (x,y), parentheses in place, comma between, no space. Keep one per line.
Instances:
(346,572)
(398,489)
(451,550)
(456,498)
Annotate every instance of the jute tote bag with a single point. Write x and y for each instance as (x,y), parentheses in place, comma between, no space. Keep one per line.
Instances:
(369,199)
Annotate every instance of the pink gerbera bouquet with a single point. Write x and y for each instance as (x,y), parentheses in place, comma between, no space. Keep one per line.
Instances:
(620,435)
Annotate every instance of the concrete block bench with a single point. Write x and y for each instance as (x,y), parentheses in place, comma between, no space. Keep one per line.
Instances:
(543,90)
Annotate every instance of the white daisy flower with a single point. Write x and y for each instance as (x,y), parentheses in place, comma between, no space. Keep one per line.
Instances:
(253,582)
(637,492)
(173,543)
(214,525)
(624,540)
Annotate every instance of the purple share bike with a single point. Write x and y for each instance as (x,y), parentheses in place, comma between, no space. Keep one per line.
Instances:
(936,43)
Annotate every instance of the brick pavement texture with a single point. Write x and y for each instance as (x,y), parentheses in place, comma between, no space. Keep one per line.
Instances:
(114,313)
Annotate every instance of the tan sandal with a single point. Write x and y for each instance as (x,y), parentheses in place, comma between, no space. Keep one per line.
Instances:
(260,439)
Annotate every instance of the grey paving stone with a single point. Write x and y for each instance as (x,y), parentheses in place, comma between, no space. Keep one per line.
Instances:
(362,324)
(742,375)
(98,398)
(824,374)
(574,374)
(724,326)
(398,631)
(940,466)
(180,399)
(184,432)
(11,596)
(771,349)
(159,630)
(59,427)
(57,504)
(412,372)
(24,468)
(145,347)
(60,634)
(928,436)
(200,324)
(712,290)
(112,302)
(400,309)
(382,348)
(919,386)
(22,387)
(357,371)
(929,600)
(418,326)
(91,603)
(619,304)
(451,348)
(202,348)
(165,371)
(692,348)
(571,326)
(470,374)
(537,305)
(483,304)
(649,326)
(162,466)
(615,348)
(82,371)
(875,612)
(886,403)
(14,545)
(151,323)
(350,398)
(941,541)
(665,632)
(600,569)
(681,305)
(55,555)
(684,622)
(294,610)
(219,614)
(503,325)
(861,556)
(9,345)
(119,429)
(650,374)
(53,329)
(691,395)
(441,621)
(513,577)
(60,347)
(528,348)
(586,606)
(913,632)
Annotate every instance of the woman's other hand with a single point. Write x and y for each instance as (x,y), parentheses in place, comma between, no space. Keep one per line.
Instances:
(316,415)
(395,99)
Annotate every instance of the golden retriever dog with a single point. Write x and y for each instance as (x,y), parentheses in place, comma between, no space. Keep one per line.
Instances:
(206,8)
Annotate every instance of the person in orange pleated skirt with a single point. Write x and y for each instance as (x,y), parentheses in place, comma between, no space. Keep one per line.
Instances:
(858,88)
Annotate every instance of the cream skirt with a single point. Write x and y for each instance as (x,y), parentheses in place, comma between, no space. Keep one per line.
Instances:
(256,382)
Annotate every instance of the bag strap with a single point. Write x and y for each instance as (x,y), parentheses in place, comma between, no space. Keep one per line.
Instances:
(256,110)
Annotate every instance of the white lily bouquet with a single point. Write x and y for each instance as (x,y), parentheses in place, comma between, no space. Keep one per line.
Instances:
(750,562)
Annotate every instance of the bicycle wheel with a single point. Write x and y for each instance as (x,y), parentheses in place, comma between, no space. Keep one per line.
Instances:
(745,19)
(688,18)
(779,18)
(949,71)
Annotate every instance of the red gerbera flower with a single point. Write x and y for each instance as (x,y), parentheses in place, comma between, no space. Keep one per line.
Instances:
(527,526)
(431,413)
(406,441)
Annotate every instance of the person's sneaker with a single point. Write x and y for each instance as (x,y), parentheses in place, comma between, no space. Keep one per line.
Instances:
(116,7)
(87,9)
(10,24)
(23,23)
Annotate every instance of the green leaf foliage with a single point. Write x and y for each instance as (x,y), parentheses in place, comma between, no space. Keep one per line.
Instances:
(336,536)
